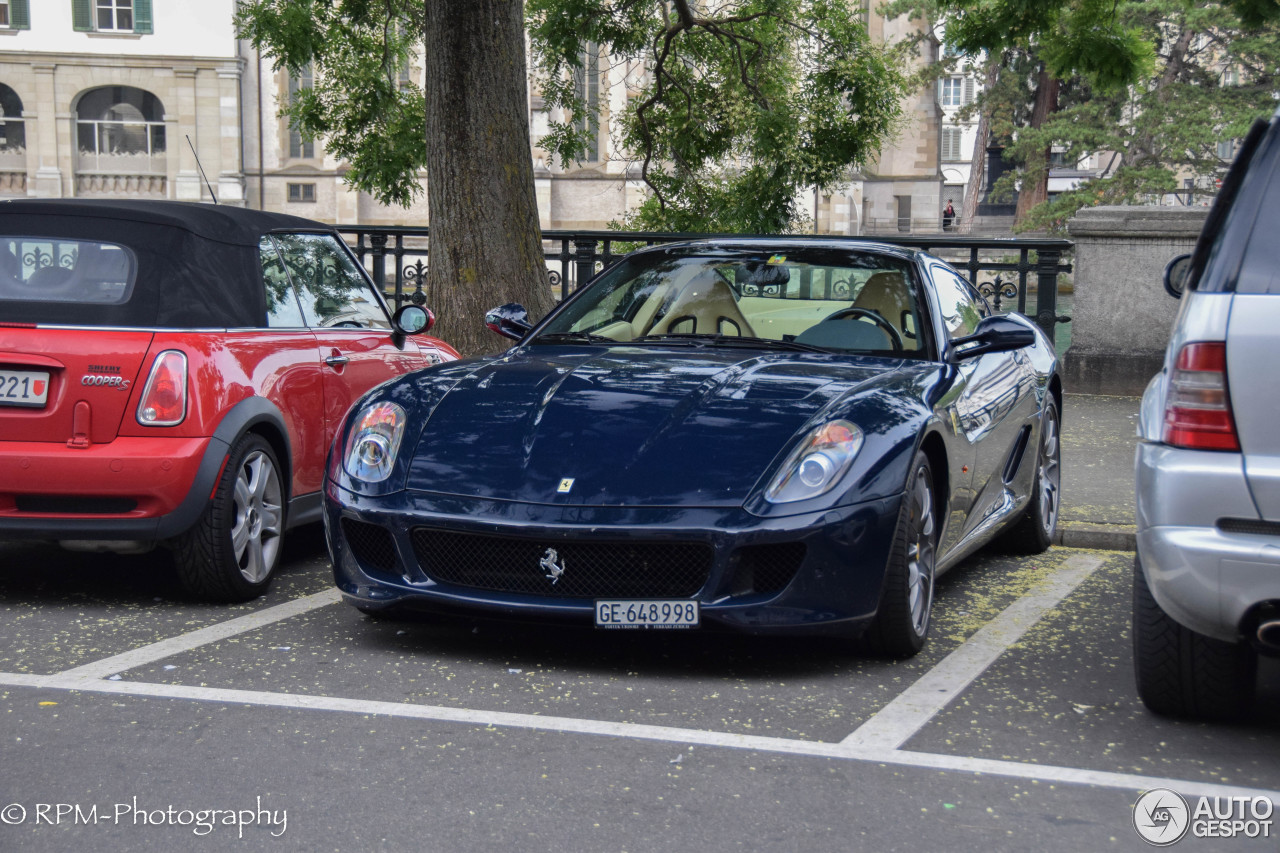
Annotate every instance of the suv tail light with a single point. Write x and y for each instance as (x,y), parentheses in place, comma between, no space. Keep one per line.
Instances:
(164,402)
(1197,412)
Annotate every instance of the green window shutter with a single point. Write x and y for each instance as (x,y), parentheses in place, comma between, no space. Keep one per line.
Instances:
(142,16)
(19,17)
(81,16)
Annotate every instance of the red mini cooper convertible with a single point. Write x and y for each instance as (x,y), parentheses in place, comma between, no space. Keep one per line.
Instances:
(174,373)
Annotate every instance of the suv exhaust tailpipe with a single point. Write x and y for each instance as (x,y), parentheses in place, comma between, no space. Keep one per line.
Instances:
(1269,635)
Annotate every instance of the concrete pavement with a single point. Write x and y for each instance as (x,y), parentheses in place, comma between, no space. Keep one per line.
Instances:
(1099,435)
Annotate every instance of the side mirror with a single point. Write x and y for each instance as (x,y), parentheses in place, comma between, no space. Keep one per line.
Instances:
(510,321)
(413,319)
(994,334)
(1175,276)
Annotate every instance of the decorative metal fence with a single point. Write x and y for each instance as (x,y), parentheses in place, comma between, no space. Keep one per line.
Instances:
(1004,269)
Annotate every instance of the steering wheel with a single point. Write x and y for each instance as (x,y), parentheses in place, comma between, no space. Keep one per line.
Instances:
(895,337)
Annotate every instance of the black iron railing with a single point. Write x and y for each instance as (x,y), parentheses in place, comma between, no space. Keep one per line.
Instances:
(1004,269)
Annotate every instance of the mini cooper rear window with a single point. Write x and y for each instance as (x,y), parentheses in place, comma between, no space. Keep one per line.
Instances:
(36,269)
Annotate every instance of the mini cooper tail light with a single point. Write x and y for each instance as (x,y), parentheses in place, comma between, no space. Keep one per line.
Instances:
(164,400)
(1197,412)
(817,463)
(374,442)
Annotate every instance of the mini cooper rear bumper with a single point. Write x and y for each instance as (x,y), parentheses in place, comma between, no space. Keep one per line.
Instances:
(131,488)
(814,573)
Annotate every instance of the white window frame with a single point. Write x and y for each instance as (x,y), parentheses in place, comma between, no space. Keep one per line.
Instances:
(113,8)
(951,91)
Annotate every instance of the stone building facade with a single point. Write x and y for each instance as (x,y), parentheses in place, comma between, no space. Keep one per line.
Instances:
(159,99)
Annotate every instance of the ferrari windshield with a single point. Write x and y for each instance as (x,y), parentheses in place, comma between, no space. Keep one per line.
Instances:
(846,301)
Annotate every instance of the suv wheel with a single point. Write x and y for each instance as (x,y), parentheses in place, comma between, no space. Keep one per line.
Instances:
(1181,673)
(231,552)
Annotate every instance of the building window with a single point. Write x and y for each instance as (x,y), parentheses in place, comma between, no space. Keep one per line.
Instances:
(299,145)
(14,15)
(120,130)
(951,144)
(302,192)
(111,16)
(13,131)
(586,85)
(950,92)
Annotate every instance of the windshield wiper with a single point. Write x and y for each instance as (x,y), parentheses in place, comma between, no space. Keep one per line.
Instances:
(733,341)
(574,337)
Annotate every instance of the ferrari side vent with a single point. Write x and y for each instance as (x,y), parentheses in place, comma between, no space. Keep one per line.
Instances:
(372,544)
(763,569)
(556,568)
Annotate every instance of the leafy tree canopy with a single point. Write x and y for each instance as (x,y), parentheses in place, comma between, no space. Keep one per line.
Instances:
(1213,76)
(741,105)
(359,103)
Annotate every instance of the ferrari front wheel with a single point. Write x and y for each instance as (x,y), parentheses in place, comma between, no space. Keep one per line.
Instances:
(906,600)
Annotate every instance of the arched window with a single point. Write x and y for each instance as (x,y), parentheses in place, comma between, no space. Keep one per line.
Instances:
(120,129)
(13,132)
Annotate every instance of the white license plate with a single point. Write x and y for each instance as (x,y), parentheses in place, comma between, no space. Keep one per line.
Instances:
(666,613)
(24,387)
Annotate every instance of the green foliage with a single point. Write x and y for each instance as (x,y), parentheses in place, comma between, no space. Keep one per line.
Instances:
(1154,84)
(1214,76)
(741,106)
(358,104)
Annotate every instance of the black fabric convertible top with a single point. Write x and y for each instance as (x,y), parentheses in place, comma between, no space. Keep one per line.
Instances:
(198,265)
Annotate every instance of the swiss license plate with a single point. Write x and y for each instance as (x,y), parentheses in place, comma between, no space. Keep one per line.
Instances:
(24,387)
(665,613)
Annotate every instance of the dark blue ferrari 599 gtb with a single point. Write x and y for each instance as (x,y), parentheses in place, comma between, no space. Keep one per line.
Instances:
(762,435)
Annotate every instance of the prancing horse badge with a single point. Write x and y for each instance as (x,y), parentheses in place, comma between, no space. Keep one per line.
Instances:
(565,485)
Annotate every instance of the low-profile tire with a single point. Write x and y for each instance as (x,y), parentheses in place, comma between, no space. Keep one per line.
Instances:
(1034,531)
(901,625)
(1181,673)
(231,552)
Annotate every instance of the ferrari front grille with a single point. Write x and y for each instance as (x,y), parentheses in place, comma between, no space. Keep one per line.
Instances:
(553,568)
(371,544)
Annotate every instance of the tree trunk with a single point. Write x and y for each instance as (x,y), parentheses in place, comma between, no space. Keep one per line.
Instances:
(978,162)
(1035,173)
(486,244)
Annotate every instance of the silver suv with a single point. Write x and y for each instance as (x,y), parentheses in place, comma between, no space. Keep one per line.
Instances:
(1206,589)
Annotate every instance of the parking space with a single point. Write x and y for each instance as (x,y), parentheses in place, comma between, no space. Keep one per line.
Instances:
(1020,715)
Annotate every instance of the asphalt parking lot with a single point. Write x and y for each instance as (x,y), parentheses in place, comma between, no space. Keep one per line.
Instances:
(322,729)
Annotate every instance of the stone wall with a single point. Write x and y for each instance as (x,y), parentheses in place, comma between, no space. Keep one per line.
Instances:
(1122,315)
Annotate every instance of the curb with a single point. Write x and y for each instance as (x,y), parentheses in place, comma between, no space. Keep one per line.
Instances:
(1099,537)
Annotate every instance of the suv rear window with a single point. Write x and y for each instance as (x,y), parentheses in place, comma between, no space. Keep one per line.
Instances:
(57,269)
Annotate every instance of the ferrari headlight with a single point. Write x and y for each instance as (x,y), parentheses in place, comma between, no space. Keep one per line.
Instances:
(374,441)
(817,463)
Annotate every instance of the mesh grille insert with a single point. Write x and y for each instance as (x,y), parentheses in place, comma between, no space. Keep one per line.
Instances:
(579,569)
(372,544)
(767,568)
(1245,525)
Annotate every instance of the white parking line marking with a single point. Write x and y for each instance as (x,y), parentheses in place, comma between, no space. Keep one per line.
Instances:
(194,639)
(693,737)
(895,723)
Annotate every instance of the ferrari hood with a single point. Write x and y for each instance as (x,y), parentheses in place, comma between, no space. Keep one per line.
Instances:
(626,426)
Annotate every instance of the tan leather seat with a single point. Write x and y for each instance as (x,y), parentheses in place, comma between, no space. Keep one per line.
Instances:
(886,294)
(704,306)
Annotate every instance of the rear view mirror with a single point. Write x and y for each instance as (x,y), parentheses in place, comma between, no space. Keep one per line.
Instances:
(1000,333)
(510,321)
(412,319)
(1175,275)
